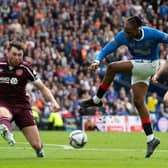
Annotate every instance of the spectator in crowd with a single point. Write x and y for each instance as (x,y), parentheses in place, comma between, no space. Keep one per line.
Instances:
(35,112)
(55,32)
(152,104)
(56,121)
(89,125)
(163,110)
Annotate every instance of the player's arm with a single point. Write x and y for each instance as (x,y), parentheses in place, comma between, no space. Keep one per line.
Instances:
(46,93)
(36,81)
(163,38)
(162,69)
(165,98)
(108,48)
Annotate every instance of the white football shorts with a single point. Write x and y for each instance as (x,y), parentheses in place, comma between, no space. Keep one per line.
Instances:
(143,70)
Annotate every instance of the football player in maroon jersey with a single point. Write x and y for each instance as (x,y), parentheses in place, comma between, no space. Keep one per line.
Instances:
(14,103)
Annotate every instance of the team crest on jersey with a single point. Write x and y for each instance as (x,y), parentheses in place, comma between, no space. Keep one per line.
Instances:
(14,81)
(19,72)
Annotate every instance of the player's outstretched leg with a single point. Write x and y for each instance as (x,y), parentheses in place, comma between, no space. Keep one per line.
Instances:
(151,146)
(89,103)
(32,135)
(7,135)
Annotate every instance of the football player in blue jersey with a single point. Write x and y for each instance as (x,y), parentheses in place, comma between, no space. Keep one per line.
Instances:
(142,42)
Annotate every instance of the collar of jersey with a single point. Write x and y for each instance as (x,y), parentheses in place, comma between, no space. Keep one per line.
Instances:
(11,67)
(141,36)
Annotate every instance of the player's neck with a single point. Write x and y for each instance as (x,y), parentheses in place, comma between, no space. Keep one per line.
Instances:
(139,34)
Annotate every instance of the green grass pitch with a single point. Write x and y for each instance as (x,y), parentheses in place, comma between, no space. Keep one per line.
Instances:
(103,150)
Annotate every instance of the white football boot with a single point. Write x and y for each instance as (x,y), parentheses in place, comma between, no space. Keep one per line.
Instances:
(7,135)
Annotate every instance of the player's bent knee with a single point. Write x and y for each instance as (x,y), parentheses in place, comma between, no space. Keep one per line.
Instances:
(111,67)
(4,112)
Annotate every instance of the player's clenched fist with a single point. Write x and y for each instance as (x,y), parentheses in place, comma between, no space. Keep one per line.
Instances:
(93,67)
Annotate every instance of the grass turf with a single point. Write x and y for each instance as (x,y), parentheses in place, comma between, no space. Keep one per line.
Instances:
(104,150)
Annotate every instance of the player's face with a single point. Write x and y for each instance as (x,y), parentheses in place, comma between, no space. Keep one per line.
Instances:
(131,32)
(14,56)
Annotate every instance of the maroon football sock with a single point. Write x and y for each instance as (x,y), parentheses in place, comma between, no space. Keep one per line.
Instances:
(6,121)
(146,124)
(102,89)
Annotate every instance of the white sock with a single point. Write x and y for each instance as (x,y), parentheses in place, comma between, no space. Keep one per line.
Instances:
(96,99)
(150,137)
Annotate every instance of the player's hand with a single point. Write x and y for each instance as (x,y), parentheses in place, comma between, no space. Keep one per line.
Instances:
(54,106)
(155,78)
(93,67)
(165,99)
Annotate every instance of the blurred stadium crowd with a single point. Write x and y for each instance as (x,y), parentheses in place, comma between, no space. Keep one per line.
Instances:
(62,37)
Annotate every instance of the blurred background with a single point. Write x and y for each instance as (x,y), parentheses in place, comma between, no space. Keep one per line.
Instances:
(62,37)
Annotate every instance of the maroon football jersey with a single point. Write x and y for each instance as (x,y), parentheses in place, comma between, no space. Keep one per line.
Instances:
(13,81)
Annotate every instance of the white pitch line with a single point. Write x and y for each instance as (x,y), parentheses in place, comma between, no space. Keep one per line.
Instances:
(67,147)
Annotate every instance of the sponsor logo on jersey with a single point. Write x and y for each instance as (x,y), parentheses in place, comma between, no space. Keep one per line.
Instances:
(4,79)
(14,81)
(8,80)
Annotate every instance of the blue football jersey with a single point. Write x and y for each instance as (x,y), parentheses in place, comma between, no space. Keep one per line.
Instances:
(147,47)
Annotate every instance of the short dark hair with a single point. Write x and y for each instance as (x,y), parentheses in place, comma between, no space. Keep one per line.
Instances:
(135,21)
(17,44)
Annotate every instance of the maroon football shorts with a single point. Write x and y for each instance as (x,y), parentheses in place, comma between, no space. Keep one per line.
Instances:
(22,116)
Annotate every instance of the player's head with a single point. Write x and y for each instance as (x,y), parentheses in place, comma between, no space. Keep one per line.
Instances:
(15,53)
(132,28)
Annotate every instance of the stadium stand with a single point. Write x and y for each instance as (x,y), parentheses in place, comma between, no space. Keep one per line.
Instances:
(62,37)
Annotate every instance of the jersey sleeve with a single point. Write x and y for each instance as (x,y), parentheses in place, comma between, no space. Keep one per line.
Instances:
(34,76)
(31,75)
(111,46)
(161,36)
